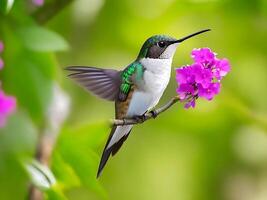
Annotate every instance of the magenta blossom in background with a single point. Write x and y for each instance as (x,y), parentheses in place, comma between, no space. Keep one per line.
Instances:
(7,106)
(1,46)
(7,103)
(1,50)
(1,63)
(202,78)
(38,2)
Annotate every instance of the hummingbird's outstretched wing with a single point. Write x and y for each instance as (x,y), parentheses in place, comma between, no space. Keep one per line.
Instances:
(119,134)
(104,83)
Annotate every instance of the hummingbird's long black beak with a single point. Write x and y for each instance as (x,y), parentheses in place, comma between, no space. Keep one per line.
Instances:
(191,35)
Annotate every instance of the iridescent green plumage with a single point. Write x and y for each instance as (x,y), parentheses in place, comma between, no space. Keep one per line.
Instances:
(133,71)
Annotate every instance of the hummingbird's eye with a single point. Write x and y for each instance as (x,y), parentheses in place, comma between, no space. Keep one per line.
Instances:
(161,44)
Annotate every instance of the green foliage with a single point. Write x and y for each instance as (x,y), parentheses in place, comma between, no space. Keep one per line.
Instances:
(19,136)
(6,5)
(29,78)
(36,38)
(77,157)
(55,194)
(64,172)
(17,141)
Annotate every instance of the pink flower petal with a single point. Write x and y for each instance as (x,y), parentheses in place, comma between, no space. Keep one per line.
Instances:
(7,107)
(203,56)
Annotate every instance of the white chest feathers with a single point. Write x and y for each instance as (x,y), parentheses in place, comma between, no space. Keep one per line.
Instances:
(150,89)
(157,74)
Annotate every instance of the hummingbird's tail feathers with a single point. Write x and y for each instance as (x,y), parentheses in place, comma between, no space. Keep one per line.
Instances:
(103,162)
(106,153)
(116,138)
(117,146)
(104,83)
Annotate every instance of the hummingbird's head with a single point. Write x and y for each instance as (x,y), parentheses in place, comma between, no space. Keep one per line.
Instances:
(162,46)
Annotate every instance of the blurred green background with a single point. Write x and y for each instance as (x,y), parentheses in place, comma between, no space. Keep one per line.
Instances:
(216,151)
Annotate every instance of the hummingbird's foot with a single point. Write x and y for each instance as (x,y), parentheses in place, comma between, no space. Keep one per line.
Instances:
(140,118)
(154,113)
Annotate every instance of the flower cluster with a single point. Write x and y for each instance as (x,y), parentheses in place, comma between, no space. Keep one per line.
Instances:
(7,103)
(202,78)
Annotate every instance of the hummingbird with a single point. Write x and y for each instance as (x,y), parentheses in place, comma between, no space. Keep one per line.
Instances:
(135,90)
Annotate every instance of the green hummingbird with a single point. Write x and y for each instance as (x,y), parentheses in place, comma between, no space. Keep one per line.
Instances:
(135,90)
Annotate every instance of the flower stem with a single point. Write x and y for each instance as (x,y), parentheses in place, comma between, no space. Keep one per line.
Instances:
(146,116)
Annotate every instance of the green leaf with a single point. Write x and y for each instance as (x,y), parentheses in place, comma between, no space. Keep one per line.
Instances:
(84,162)
(12,176)
(55,193)
(79,153)
(66,176)
(17,140)
(29,77)
(37,38)
(6,5)
(19,136)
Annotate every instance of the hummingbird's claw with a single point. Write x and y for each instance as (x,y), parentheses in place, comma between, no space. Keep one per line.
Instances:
(154,113)
(140,118)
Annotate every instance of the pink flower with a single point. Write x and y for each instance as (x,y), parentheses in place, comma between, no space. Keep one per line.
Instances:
(203,56)
(7,106)
(184,75)
(191,103)
(38,2)
(210,91)
(185,90)
(1,63)
(202,75)
(1,46)
(202,78)
(222,67)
